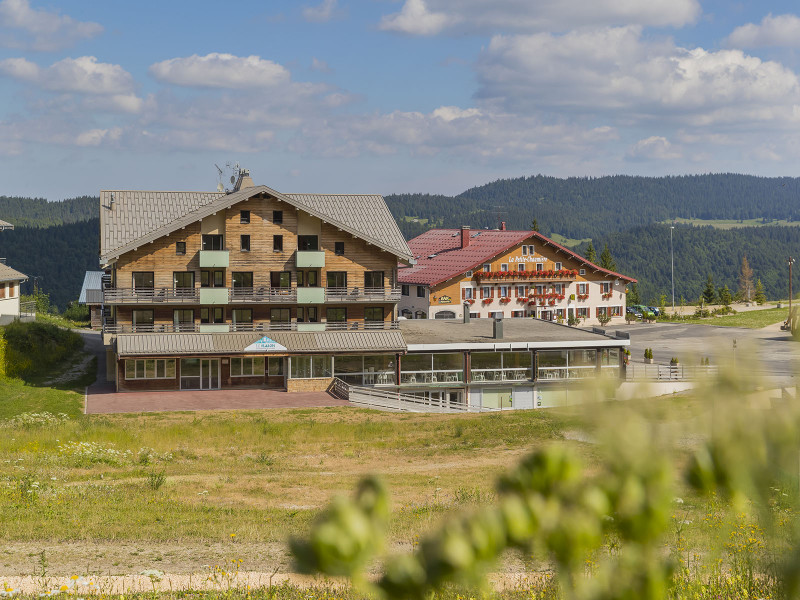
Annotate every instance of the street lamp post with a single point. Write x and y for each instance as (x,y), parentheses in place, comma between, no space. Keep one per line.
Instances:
(789,320)
(672,260)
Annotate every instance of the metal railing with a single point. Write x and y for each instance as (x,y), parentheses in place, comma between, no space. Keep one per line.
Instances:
(657,372)
(382,399)
(263,294)
(27,309)
(111,327)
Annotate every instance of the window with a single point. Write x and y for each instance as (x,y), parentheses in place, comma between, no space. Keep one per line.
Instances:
(583,312)
(420,291)
(277,217)
(582,272)
(539,267)
(496,314)
(307,314)
(406,313)
(521,267)
(605,287)
(364,370)
(504,291)
(307,278)
(420,314)
(520,291)
(615,311)
(280,315)
(373,313)
(524,251)
(242,279)
(245,243)
(212,315)
(307,242)
(487,267)
(468,274)
(373,279)
(530,250)
(247,366)
(404,290)
(143,317)
(336,315)
(558,266)
(277,243)
(445,314)
(215,278)
(468,293)
(517,314)
(274,366)
(242,315)
(539,289)
(280,279)
(212,242)
(183,319)
(486,292)
(180,248)
(2,290)
(150,368)
(143,279)
(558,288)
(504,267)
(244,216)
(338,248)
(337,279)
(583,289)
(307,367)
(182,280)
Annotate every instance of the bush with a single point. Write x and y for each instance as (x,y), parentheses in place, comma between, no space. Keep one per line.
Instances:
(34,348)
(76,312)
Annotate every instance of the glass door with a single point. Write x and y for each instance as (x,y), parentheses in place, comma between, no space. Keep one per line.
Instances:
(199,373)
(209,374)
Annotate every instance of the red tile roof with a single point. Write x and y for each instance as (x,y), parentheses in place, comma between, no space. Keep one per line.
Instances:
(440,257)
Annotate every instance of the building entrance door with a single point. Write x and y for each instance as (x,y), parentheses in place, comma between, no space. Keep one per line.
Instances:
(199,373)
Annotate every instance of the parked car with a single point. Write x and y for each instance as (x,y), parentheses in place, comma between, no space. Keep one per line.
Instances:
(645,311)
(655,310)
(631,310)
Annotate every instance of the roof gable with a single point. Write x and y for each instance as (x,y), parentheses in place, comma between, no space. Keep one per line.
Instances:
(9,274)
(134,218)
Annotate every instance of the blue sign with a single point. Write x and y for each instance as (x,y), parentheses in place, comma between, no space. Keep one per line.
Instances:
(265,344)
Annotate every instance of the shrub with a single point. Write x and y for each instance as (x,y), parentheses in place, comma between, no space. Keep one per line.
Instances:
(34,348)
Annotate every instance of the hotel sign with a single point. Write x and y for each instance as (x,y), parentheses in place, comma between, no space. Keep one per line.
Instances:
(526,259)
(445,299)
(265,344)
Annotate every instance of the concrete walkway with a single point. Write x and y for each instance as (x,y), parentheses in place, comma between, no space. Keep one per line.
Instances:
(103,400)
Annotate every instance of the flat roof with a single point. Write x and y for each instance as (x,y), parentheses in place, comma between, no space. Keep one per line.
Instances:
(440,334)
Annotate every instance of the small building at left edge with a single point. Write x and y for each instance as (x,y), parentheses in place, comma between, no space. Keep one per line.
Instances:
(10,280)
(258,288)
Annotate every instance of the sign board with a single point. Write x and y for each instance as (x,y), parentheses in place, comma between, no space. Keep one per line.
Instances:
(265,344)
(445,300)
(526,259)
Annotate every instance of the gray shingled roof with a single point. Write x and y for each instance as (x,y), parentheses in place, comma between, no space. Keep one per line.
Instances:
(137,218)
(5,225)
(9,274)
(162,344)
(92,289)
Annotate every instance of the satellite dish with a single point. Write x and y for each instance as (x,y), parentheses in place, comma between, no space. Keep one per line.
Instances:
(233,179)
(220,187)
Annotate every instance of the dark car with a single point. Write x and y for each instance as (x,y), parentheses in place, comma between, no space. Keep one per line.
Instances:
(655,310)
(632,310)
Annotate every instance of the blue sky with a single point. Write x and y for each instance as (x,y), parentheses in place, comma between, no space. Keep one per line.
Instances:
(391,96)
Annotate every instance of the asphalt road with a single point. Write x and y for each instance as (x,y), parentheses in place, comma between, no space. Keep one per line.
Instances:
(768,351)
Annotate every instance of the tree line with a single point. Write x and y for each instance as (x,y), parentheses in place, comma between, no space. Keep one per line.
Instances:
(38,212)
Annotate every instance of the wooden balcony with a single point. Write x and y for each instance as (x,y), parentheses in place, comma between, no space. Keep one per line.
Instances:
(110,327)
(151,295)
(248,295)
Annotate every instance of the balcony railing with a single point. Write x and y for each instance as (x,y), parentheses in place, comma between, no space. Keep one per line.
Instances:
(109,327)
(245,295)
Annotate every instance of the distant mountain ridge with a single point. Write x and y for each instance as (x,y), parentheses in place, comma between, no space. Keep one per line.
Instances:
(588,207)
(38,212)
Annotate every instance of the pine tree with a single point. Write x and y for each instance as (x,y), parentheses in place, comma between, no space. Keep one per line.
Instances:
(606,261)
(535,225)
(709,293)
(725,296)
(633,295)
(746,281)
(591,255)
(760,297)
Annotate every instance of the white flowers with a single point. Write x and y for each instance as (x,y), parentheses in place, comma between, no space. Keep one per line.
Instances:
(95,452)
(75,582)
(34,420)
(8,591)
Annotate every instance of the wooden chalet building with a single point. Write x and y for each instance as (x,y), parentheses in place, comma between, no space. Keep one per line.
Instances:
(504,274)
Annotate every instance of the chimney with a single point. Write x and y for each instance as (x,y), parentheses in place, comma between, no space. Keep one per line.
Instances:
(244,180)
(465,236)
(502,225)
(497,329)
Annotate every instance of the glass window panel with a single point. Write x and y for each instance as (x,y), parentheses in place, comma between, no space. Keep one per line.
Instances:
(143,279)
(183,279)
(380,362)
(321,366)
(280,315)
(349,364)
(552,358)
(275,365)
(170,368)
(582,358)
(448,362)
(610,356)
(373,279)
(130,369)
(277,216)
(336,315)
(307,242)
(516,360)
(150,368)
(242,279)
(160,369)
(142,317)
(219,278)
(236,367)
(486,360)
(190,367)
(258,365)
(373,313)
(245,242)
(337,279)
(416,362)
(301,367)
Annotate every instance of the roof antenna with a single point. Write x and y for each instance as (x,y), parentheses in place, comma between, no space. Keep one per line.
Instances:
(111,203)
(220,187)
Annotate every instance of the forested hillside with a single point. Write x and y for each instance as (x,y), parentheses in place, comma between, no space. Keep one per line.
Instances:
(588,207)
(38,212)
(59,256)
(643,253)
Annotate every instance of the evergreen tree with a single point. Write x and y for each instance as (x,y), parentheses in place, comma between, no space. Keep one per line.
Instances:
(591,255)
(606,261)
(709,293)
(725,296)
(535,225)
(746,280)
(633,295)
(760,297)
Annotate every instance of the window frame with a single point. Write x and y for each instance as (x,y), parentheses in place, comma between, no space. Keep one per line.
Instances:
(277,243)
(244,242)
(244,217)
(251,361)
(277,217)
(180,248)
(143,361)
(338,248)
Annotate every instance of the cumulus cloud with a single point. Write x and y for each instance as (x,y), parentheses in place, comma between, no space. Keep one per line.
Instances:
(417,17)
(612,71)
(94,137)
(320,13)
(83,75)
(654,147)
(217,70)
(41,30)
(782,30)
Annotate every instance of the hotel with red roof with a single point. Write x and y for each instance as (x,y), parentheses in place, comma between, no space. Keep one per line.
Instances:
(502,273)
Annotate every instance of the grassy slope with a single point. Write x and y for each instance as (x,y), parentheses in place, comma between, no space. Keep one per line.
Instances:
(751,319)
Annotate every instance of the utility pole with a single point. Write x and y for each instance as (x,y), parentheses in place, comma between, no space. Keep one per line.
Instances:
(789,320)
(672,260)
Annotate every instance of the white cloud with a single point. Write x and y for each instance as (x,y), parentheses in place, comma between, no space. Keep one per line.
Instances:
(320,13)
(220,71)
(83,75)
(655,147)
(95,137)
(42,30)
(783,30)
(420,18)
(415,18)
(320,65)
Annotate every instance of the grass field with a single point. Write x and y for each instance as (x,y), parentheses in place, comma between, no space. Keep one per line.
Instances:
(751,319)
(733,223)
(568,242)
